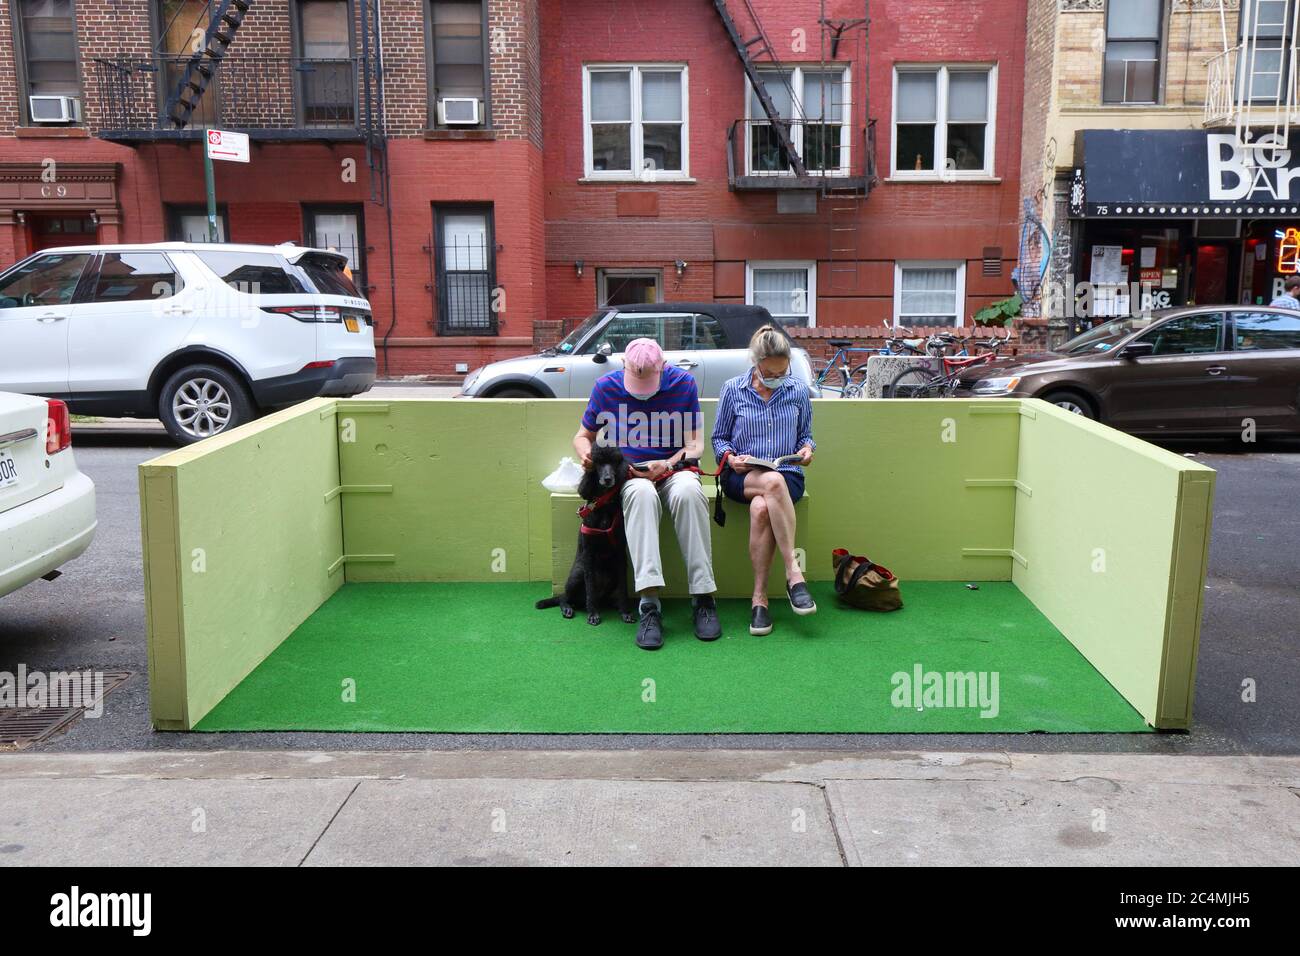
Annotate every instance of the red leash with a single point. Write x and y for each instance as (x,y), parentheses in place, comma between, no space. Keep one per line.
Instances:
(719,515)
(682,466)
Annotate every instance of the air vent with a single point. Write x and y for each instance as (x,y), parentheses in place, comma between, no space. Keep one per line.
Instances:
(992,260)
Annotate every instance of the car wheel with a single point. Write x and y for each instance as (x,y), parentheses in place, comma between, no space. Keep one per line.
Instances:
(201,401)
(515,393)
(1072,402)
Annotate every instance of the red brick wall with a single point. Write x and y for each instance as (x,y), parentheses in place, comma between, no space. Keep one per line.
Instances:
(898,221)
(264,199)
(544,217)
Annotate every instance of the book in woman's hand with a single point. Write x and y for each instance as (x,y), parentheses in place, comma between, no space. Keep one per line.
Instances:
(774,463)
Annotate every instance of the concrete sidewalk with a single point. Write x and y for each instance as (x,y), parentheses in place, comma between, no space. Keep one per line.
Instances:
(646,808)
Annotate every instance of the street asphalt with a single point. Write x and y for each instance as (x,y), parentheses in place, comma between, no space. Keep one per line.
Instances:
(93,617)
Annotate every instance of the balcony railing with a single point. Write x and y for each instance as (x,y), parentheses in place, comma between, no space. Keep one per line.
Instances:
(833,155)
(1221,87)
(267,97)
(1259,104)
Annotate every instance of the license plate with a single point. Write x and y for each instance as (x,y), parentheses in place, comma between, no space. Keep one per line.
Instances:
(350,323)
(8,470)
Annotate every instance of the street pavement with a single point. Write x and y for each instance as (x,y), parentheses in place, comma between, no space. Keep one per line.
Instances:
(691,807)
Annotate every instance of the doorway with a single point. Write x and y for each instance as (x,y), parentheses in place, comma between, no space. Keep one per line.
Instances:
(1216,268)
(65,229)
(628,286)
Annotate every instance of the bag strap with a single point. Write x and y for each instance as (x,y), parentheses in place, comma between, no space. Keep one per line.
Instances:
(862,569)
(841,587)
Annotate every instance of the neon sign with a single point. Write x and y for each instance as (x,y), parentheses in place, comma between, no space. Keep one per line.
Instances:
(1288,251)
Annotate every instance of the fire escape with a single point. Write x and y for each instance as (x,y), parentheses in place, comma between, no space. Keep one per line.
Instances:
(1251,84)
(810,145)
(196,76)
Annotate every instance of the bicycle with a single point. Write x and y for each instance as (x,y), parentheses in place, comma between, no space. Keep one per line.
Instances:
(922,383)
(836,376)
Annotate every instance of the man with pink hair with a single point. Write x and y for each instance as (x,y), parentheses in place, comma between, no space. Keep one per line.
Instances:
(651,410)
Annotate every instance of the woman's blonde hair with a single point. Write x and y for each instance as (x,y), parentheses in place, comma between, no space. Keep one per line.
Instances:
(769,342)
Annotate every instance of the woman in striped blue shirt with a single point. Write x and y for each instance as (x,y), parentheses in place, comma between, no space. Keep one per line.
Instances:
(765,413)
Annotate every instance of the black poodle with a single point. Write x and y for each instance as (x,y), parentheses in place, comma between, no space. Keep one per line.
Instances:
(599,573)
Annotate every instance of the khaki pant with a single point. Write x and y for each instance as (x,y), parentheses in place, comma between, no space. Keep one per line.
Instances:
(643,504)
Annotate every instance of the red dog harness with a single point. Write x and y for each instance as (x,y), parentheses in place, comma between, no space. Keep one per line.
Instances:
(595,506)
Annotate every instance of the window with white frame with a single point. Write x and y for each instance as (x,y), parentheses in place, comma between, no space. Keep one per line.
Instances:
(929,293)
(944,121)
(817,104)
(786,289)
(635,122)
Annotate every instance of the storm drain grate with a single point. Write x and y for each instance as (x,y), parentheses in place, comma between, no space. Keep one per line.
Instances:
(22,726)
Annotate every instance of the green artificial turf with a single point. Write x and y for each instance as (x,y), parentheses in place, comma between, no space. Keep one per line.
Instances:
(480,658)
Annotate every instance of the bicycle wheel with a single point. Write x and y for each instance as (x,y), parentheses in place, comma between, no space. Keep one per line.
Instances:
(914,383)
(832,377)
(858,377)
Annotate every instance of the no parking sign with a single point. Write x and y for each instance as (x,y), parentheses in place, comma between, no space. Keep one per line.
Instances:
(228,145)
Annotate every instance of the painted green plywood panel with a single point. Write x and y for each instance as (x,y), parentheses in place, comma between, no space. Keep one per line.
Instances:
(551,427)
(1099,534)
(1186,599)
(891,477)
(164,622)
(458,510)
(254,536)
(890,483)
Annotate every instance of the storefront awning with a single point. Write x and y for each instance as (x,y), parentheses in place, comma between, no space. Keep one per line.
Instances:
(1180,174)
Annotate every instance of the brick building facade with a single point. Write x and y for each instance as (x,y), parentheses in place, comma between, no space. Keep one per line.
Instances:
(1134,113)
(620,154)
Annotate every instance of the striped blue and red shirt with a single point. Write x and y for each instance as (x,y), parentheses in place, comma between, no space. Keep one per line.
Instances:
(645,430)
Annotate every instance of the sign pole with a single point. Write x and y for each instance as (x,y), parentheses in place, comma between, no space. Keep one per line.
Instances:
(209,181)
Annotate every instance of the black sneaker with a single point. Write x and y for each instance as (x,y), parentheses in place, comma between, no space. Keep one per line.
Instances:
(801,601)
(760,622)
(650,632)
(707,625)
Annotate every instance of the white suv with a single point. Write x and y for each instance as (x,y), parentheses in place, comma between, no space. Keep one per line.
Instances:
(201,335)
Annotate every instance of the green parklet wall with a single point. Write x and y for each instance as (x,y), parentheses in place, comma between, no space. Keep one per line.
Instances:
(450,490)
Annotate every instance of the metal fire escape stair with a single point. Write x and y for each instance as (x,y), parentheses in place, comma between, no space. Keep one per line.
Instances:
(761,47)
(846,198)
(202,66)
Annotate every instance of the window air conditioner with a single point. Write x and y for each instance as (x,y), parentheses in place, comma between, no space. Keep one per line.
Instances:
(54,109)
(458,111)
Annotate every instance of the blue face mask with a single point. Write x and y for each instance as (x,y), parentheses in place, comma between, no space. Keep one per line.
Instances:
(773,383)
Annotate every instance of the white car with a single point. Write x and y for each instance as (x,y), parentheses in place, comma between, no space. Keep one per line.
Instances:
(710,340)
(47,506)
(203,336)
